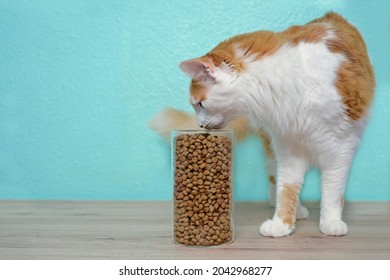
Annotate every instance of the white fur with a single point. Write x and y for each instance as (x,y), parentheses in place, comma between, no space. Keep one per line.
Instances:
(292,95)
(275,228)
(302,212)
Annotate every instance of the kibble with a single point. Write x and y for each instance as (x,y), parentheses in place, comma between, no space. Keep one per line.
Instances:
(202,189)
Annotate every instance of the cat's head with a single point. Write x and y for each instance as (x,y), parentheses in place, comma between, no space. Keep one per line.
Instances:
(213,91)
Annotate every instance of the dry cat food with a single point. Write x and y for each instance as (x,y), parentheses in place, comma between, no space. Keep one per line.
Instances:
(202,188)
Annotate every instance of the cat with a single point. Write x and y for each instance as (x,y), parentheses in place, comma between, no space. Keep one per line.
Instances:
(307,91)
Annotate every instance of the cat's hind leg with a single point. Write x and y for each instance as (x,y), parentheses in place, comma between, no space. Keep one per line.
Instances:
(302,212)
(271,165)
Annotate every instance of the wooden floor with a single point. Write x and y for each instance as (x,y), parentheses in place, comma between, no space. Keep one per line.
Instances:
(142,230)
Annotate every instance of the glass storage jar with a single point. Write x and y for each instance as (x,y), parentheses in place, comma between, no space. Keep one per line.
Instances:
(202,163)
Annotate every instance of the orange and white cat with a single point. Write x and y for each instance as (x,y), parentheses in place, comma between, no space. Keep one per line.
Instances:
(306,91)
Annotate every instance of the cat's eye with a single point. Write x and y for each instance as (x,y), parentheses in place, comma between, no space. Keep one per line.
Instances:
(200,104)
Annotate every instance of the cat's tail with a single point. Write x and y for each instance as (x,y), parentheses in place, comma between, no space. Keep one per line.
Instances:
(171,119)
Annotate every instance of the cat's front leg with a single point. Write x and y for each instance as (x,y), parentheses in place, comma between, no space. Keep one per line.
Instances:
(291,173)
(332,199)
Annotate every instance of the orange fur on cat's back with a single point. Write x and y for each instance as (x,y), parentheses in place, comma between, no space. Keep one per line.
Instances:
(355,77)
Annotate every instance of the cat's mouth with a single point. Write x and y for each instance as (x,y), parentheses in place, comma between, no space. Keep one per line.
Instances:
(215,125)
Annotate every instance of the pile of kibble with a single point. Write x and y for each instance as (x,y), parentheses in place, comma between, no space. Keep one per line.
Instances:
(202,189)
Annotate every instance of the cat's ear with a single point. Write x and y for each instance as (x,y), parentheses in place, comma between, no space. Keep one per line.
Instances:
(202,68)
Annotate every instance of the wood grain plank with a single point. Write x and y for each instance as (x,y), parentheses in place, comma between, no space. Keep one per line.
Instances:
(143,229)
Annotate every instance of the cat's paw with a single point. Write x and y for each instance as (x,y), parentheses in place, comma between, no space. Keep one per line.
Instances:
(275,228)
(272,202)
(334,227)
(302,213)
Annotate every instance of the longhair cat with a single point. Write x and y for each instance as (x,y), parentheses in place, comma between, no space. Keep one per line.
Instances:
(305,91)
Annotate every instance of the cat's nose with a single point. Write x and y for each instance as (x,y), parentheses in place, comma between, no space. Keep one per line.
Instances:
(201,125)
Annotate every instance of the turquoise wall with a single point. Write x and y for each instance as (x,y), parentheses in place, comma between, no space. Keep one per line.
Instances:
(79,81)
